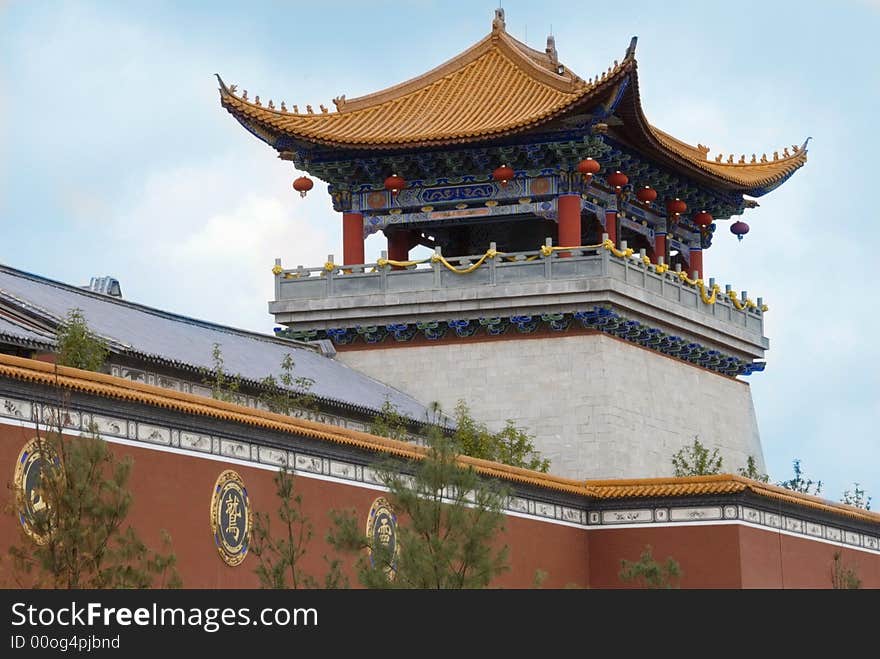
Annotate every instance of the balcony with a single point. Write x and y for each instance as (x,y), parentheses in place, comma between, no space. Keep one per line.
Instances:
(520,283)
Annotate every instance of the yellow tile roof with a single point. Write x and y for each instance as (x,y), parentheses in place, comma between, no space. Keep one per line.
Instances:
(717,484)
(108,386)
(496,88)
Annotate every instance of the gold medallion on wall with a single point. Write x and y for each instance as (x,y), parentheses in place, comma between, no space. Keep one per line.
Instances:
(231,518)
(382,535)
(32,506)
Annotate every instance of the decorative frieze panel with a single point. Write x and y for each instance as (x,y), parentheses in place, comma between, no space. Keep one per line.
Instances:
(697,514)
(15,409)
(342,470)
(195,442)
(272,456)
(694,514)
(311,464)
(626,516)
(107,425)
(155,434)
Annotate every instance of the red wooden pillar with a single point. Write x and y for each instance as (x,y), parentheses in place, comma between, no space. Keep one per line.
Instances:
(659,247)
(352,238)
(611,225)
(399,244)
(695,262)
(569,213)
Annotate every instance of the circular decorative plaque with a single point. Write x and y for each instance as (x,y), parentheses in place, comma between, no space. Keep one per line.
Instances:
(33,508)
(231,518)
(382,532)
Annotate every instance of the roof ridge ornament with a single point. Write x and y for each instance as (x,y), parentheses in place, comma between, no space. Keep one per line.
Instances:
(498,22)
(551,49)
(631,50)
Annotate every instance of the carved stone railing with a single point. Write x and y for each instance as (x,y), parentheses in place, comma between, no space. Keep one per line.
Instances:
(526,282)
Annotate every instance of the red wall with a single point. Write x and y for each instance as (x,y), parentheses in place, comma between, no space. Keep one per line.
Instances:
(708,555)
(776,560)
(173,491)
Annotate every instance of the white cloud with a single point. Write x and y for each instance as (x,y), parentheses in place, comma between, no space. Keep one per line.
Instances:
(207,236)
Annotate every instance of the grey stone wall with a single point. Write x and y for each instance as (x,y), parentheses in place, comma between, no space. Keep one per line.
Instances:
(599,407)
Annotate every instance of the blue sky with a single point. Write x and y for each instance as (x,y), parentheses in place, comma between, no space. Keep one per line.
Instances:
(118,159)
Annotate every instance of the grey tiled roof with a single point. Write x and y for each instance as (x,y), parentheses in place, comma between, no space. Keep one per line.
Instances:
(187,343)
(19,334)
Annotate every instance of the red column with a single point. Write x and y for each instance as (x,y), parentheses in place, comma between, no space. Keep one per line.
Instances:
(659,247)
(399,244)
(569,214)
(352,238)
(696,262)
(611,226)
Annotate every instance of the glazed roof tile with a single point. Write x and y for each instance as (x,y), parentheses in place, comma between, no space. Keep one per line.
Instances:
(187,343)
(18,333)
(496,88)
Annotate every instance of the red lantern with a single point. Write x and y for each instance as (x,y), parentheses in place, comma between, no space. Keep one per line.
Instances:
(302,185)
(646,195)
(739,229)
(588,167)
(394,183)
(703,219)
(503,174)
(617,180)
(676,206)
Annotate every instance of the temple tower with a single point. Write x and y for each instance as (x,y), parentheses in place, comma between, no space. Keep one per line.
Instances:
(565,285)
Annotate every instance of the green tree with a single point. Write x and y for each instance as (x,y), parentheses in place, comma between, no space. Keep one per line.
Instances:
(280,557)
(856,498)
(751,471)
(78,346)
(86,541)
(843,577)
(288,393)
(648,573)
(223,387)
(511,445)
(800,484)
(696,460)
(390,423)
(449,519)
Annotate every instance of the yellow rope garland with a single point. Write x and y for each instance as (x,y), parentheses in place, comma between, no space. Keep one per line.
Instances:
(438,258)
(399,264)
(547,251)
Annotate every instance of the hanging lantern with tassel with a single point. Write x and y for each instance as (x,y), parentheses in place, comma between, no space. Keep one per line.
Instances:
(646,195)
(617,180)
(394,184)
(676,206)
(703,219)
(587,167)
(739,229)
(302,185)
(503,174)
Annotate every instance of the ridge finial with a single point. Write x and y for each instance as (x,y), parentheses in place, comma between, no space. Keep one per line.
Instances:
(498,21)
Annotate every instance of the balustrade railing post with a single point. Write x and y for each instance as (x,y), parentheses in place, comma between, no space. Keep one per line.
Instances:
(492,263)
(603,254)
(436,265)
(329,277)
(278,280)
(548,268)
(383,272)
